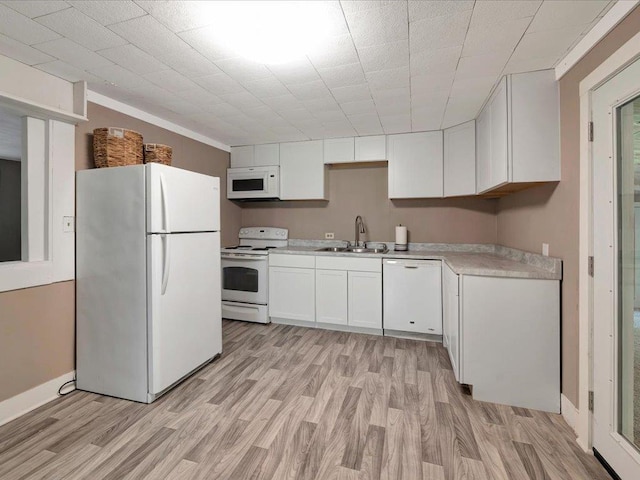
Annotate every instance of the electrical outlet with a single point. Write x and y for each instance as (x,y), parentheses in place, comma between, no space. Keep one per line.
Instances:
(545,249)
(329,236)
(68,224)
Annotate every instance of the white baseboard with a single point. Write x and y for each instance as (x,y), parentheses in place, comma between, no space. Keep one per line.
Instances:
(14,407)
(569,412)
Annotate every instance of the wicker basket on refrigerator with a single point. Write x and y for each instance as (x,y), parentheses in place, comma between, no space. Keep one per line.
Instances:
(116,147)
(158,153)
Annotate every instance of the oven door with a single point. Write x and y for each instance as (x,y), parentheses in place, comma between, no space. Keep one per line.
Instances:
(244,278)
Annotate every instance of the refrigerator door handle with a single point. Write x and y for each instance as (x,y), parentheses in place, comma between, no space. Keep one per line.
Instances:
(167,262)
(165,204)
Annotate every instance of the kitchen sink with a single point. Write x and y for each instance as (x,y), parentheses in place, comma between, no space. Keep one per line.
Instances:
(332,249)
(352,250)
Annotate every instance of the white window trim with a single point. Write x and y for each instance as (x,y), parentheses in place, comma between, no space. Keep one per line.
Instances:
(48,250)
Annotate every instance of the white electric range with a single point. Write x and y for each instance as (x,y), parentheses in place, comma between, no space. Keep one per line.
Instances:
(245,273)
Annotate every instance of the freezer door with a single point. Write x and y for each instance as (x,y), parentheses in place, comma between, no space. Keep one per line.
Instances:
(185,328)
(181,201)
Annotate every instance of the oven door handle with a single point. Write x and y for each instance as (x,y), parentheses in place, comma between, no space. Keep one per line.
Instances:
(244,257)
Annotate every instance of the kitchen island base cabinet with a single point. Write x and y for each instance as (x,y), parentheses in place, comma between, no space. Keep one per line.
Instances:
(510,341)
(292,288)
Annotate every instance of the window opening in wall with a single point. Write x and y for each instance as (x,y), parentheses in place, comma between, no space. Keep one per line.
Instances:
(11,210)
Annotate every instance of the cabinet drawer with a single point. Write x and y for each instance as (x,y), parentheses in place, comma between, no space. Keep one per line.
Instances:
(348,263)
(295,261)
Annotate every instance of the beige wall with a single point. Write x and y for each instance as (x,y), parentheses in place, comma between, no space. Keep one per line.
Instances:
(363,191)
(187,153)
(550,213)
(36,336)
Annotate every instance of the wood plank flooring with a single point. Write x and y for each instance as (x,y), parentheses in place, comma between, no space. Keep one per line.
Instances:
(293,403)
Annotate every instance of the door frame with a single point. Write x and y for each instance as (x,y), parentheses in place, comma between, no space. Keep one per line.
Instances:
(619,60)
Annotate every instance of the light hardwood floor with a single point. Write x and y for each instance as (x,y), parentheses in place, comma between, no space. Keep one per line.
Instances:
(294,403)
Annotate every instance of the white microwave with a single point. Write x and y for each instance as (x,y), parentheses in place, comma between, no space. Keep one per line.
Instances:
(249,183)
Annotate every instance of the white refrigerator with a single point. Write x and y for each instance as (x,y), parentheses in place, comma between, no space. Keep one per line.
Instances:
(147,280)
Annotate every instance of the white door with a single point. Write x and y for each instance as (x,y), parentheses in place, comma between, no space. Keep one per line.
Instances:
(460,160)
(292,293)
(331,296)
(499,136)
(181,201)
(302,171)
(185,327)
(616,321)
(365,299)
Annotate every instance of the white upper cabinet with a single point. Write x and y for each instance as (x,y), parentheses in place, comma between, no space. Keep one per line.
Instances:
(415,165)
(267,155)
(242,156)
(302,171)
(255,155)
(339,150)
(518,133)
(460,160)
(372,148)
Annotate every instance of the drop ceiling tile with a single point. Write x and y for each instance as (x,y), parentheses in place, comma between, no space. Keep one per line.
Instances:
(392,107)
(396,123)
(119,76)
(366,123)
(375,26)
(439,32)
(388,79)
(219,84)
(530,64)
(351,93)
(83,30)
(326,116)
(321,105)
(335,51)
(170,80)
(223,110)
(360,106)
(483,65)
(548,43)
(385,56)
(266,87)
(494,38)
(461,111)
(199,96)
(72,53)
(358,6)
(23,29)
(342,76)
(132,58)
(427,118)
(474,87)
(421,9)
(67,72)
(203,40)
(299,71)
(491,12)
(32,9)
(151,36)
(283,102)
(562,13)
(180,16)
(191,64)
(152,94)
(430,82)
(108,12)
(296,115)
(21,52)
(242,100)
(399,93)
(429,98)
(433,61)
(310,91)
(339,129)
(181,107)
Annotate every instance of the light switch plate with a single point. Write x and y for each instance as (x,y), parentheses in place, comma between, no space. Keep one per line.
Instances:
(329,236)
(545,249)
(68,224)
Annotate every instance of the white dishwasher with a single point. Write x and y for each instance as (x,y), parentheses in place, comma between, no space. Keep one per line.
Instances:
(412,293)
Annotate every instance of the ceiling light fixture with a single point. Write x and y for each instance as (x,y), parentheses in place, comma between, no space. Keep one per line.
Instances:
(270,32)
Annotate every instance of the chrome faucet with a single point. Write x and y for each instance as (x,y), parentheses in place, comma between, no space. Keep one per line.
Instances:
(359,230)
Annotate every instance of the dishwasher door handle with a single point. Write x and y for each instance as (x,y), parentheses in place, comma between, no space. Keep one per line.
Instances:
(410,266)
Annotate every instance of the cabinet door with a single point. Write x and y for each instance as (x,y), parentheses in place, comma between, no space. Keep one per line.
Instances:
(339,150)
(450,319)
(499,136)
(483,159)
(460,160)
(267,155)
(242,156)
(370,148)
(365,299)
(302,171)
(415,165)
(331,296)
(292,293)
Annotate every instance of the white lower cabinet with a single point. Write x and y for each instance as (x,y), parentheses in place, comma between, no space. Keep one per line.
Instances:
(331,297)
(451,317)
(365,299)
(292,288)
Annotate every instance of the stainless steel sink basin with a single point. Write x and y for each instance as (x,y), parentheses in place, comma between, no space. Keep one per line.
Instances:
(332,249)
(352,250)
